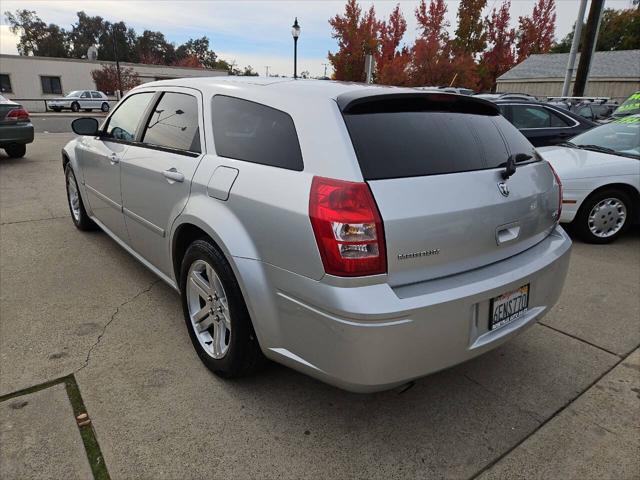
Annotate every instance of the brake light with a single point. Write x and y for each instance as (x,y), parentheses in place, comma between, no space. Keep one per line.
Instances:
(559,182)
(18,114)
(347,227)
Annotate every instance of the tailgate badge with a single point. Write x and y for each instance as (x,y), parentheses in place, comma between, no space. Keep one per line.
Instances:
(504,190)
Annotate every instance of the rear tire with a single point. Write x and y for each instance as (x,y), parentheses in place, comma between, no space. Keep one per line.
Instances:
(219,296)
(16,150)
(603,216)
(79,215)
(105,107)
(75,107)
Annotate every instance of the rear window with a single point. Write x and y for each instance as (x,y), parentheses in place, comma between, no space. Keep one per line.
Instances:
(255,133)
(416,143)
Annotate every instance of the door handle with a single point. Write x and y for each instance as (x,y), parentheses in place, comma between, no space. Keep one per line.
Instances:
(113,158)
(173,175)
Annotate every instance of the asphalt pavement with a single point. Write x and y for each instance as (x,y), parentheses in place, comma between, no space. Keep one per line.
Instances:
(86,329)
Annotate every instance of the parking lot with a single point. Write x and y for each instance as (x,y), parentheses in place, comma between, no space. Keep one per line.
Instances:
(85,327)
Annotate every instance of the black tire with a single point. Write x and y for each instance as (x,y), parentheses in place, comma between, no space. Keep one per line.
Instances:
(16,150)
(75,107)
(83,222)
(243,356)
(105,107)
(581,223)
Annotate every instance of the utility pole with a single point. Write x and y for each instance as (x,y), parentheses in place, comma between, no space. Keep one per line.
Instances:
(588,47)
(115,56)
(577,31)
(267,68)
(325,69)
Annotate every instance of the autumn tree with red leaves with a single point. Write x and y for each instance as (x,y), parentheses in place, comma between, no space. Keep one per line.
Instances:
(190,61)
(391,59)
(357,36)
(106,79)
(430,53)
(535,33)
(500,54)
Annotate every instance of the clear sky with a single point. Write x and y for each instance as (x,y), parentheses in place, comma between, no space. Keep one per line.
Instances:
(253,32)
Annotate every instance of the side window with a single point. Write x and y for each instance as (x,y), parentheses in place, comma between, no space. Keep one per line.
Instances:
(174,123)
(558,120)
(255,133)
(96,95)
(529,116)
(124,121)
(585,111)
(85,95)
(51,85)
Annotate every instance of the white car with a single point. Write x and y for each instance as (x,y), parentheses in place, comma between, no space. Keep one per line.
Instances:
(600,173)
(80,99)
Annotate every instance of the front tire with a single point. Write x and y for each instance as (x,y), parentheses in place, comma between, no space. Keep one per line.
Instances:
(75,107)
(78,213)
(215,313)
(603,216)
(16,150)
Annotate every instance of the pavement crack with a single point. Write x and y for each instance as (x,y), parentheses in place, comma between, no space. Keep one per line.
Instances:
(111,319)
(34,220)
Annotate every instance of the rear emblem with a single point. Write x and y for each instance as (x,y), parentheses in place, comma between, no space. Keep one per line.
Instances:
(504,190)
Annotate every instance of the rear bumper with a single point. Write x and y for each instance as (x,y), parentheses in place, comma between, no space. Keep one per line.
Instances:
(18,133)
(375,337)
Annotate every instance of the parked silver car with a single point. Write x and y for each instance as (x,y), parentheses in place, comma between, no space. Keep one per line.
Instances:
(87,100)
(366,236)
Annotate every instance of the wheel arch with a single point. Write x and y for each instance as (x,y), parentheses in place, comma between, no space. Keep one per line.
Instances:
(627,188)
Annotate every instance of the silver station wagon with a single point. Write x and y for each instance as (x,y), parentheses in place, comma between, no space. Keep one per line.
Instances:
(366,236)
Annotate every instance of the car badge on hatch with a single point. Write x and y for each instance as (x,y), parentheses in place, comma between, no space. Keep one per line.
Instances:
(504,190)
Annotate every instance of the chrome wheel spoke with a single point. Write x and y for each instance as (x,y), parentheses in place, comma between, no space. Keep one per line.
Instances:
(208,309)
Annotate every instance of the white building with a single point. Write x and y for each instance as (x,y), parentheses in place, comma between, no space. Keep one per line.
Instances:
(34,79)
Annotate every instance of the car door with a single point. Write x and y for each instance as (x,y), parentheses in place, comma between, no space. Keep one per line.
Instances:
(99,159)
(541,125)
(85,100)
(157,172)
(96,100)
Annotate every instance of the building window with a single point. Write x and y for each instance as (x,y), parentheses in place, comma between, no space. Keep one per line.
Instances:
(51,85)
(5,83)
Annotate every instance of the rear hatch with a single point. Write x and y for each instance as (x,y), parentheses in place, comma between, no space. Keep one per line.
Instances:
(434,163)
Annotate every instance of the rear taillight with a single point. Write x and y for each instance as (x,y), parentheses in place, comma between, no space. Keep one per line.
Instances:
(555,174)
(19,114)
(348,228)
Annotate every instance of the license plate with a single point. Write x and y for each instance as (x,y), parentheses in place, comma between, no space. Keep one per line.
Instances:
(508,307)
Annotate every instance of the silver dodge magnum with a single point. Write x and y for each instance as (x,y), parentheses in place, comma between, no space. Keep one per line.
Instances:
(366,236)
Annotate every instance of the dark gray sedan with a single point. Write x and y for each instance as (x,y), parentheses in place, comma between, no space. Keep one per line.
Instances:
(16,129)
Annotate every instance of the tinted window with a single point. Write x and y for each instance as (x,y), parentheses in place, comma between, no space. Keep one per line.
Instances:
(85,95)
(558,120)
(96,95)
(255,133)
(51,85)
(528,116)
(124,121)
(174,123)
(408,144)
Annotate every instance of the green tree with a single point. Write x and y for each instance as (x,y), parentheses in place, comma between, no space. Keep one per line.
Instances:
(470,36)
(86,32)
(125,40)
(153,48)
(36,37)
(199,48)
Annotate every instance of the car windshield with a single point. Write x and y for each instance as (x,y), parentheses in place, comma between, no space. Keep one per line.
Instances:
(75,93)
(630,106)
(621,137)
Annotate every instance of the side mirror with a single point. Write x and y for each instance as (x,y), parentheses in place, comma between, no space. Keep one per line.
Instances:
(85,126)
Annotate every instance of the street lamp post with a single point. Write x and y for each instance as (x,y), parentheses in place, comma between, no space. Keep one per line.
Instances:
(295,32)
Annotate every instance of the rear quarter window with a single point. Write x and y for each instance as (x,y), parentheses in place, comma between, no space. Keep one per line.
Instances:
(256,133)
(410,144)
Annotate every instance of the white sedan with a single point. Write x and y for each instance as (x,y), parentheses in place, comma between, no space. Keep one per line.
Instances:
(600,173)
(80,99)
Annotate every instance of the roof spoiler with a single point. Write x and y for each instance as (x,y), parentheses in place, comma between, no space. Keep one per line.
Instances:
(372,101)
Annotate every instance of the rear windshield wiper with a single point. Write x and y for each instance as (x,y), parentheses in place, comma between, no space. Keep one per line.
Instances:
(597,148)
(510,164)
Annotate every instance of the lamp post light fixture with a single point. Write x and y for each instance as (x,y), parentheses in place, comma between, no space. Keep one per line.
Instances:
(295,33)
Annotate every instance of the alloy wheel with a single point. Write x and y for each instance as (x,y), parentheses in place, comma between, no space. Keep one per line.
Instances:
(208,309)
